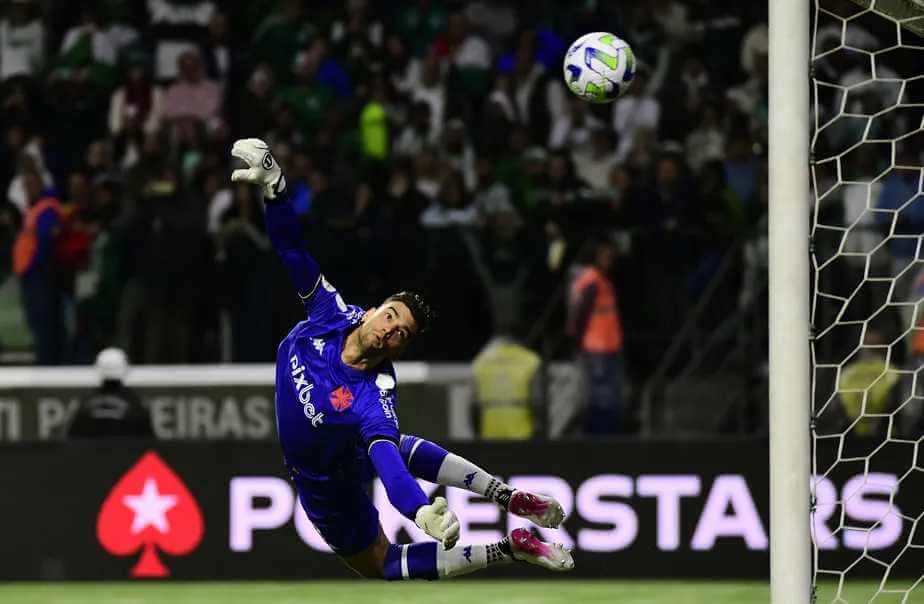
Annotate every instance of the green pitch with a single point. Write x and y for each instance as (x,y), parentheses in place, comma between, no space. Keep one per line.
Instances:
(450,592)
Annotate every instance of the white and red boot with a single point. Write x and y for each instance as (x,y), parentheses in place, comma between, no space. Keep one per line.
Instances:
(541,510)
(526,547)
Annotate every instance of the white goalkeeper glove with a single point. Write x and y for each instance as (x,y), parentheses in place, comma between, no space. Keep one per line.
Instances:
(438,521)
(262,168)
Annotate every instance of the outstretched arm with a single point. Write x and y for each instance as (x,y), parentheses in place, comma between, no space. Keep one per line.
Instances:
(435,519)
(281,222)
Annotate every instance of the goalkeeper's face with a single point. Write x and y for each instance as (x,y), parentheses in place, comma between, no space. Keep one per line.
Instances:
(387,330)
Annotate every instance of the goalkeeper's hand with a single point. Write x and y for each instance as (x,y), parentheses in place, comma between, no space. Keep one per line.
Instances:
(262,168)
(438,521)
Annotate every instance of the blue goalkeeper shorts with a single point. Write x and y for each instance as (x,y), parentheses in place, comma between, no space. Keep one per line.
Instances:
(341,511)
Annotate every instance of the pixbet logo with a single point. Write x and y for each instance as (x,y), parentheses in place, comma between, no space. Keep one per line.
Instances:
(603,512)
(149,508)
(304,388)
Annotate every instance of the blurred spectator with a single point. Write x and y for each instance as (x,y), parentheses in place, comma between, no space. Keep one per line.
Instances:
(72,251)
(458,152)
(245,250)
(595,161)
(399,236)
(251,109)
(114,409)
(506,387)
(539,93)
(99,163)
(30,179)
(192,95)
(450,208)
(562,186)
(572,130)
(742,169)
(35,264)
(280,35)
(373,124)
(750,97)
(100,282)
(467,50)
(357,39)
(706,142)
(167,266)
(635,111)
(427,84)
(421,21)
(177,27)
(417,133)
(900,217)
(137,102)
(595,326)
(215,50)
(867,386)
(87,52)
(308,97)
(491,197)
(502,260)
(496,18)
(22,39)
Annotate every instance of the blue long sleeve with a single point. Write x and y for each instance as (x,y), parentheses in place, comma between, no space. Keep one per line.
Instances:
(403,491)
(286,235)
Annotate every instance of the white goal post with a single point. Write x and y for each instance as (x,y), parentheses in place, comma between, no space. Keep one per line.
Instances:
(846,299)
(790,407)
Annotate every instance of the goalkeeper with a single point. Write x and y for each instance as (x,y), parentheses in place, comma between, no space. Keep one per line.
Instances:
(335,413)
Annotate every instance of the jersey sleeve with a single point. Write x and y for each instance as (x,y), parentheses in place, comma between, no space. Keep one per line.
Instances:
(378,419)
(285,233)
(403,491)
(322,301)
(325,307)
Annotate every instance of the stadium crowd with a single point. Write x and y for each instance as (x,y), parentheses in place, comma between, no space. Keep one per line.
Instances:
(429,145)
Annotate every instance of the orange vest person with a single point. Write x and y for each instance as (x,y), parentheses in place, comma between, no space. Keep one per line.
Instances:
(593,322)
(35,263)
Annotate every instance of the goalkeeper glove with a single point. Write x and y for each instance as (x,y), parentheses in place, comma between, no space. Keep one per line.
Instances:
(262,168)
(438,521)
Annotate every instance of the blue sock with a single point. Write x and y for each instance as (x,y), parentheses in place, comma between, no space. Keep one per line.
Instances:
(415,561)
(423,458)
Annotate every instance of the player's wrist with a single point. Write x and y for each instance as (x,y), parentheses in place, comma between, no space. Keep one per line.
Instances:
(274,190)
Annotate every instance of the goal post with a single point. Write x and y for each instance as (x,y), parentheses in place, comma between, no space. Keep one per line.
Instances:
(789,210)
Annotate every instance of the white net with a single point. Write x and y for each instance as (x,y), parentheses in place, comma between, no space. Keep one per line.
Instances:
(868,300)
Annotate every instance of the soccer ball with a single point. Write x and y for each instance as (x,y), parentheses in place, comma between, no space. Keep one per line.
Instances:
(599,67)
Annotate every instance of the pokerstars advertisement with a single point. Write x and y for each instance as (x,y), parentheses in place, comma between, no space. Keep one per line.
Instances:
(225,510)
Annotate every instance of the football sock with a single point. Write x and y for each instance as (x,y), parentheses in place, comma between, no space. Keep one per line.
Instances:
(433,463)
(430,561)
(464,559)
(414,561)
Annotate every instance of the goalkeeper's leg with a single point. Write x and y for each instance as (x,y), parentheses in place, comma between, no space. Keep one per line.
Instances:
(430,561)
(431,462)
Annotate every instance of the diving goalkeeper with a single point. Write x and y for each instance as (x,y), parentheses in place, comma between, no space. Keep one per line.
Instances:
(335,413)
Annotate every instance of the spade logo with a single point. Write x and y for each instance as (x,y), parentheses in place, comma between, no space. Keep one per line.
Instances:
(150,509)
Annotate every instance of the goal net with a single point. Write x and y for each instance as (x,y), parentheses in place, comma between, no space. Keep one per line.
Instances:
(867,310)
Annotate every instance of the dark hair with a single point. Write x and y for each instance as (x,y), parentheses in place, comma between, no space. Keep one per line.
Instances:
(420,310)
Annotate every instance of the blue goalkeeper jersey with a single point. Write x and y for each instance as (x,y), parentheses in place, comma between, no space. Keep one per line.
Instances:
(328,413)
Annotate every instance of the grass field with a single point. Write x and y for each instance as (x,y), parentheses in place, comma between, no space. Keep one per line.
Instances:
(457,592)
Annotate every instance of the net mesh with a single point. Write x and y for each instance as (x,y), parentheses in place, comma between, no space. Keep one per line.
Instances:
(868,297)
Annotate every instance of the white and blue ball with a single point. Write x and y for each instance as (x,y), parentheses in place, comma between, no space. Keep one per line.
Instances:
(599,67)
